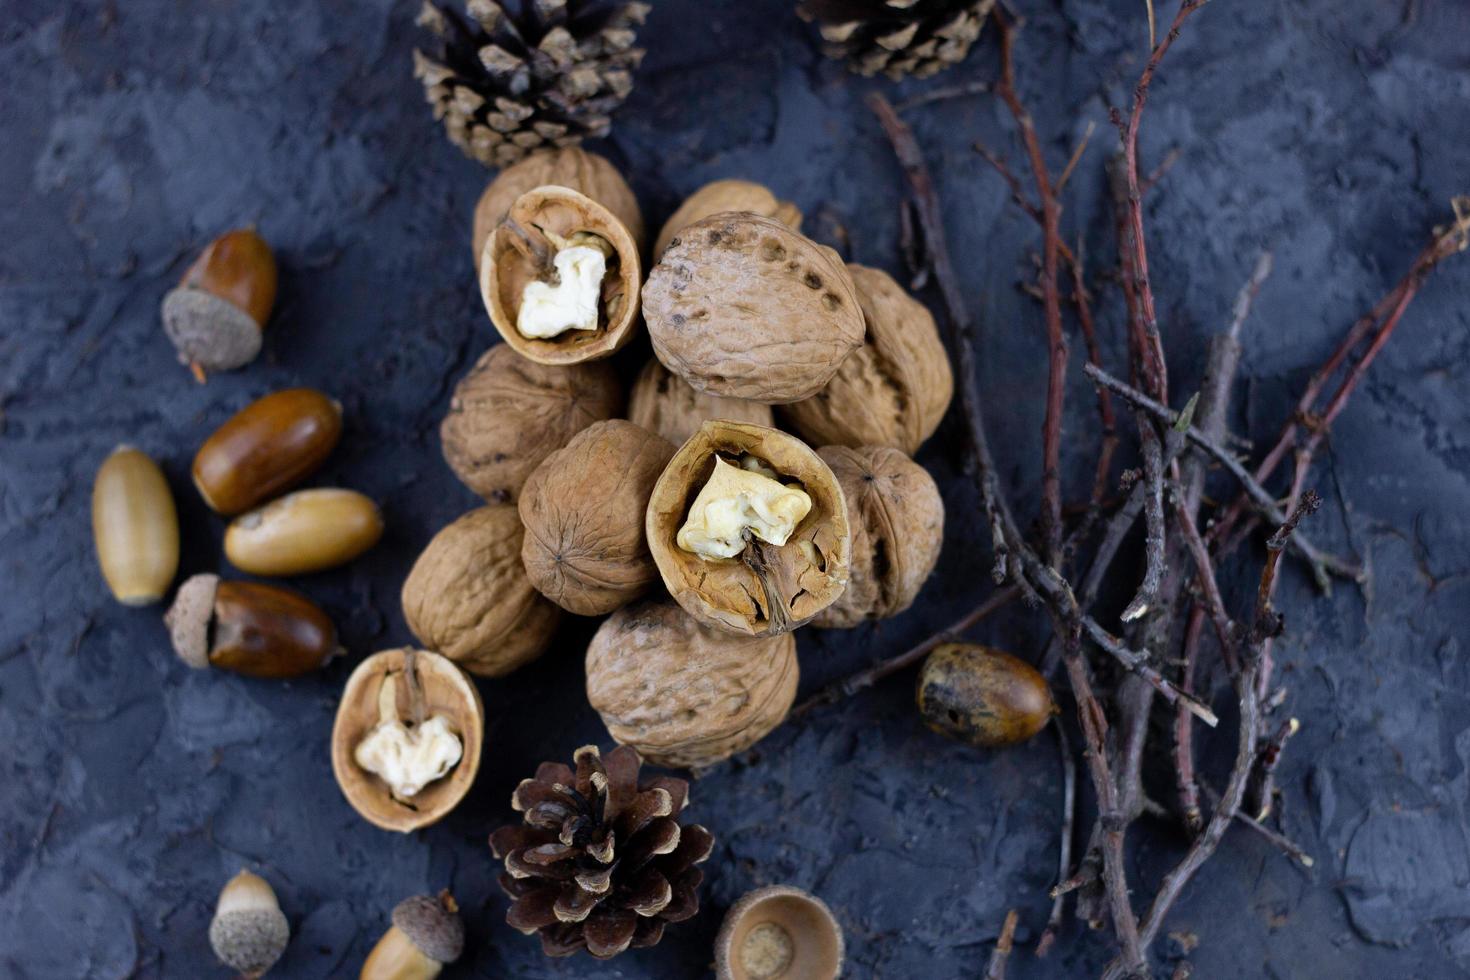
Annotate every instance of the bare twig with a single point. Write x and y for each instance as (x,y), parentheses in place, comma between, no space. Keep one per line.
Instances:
(1064,848)
(1138,664)
(1002,952)
(1187,785)
(1153,513)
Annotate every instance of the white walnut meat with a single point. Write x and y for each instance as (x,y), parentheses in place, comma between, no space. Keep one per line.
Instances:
(583,513)
(521,259)
(892,391)
(744,307)
(663,402)
(468,596)
(412,690)
(685,695)
(897,521)
(727,195)
(766,589)
(509,413)
(571,167)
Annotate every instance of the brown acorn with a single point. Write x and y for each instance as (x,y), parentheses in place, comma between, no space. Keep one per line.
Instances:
(426,934)
(266,448)
(249,628)
(983,696)
(216,314)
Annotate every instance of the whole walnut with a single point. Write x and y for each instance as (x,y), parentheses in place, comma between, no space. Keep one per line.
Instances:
(717,693)
(744,307)
(897,521)
(583,513)
(893,390)
(665,403)
(761,587)
(727,195)
(559,253)
(510,413)
(573,167)
(468,597)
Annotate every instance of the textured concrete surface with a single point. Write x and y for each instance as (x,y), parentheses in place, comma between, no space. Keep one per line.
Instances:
(131,787)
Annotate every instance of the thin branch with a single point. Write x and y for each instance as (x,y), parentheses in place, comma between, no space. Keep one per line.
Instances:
(1153,513)
(1002,953)
(1137,663)
(1188,786)
(1064,848)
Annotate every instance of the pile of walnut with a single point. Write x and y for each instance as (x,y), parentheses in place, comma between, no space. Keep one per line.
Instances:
(707,533)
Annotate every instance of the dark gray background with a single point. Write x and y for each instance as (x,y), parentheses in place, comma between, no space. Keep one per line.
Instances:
(131,788)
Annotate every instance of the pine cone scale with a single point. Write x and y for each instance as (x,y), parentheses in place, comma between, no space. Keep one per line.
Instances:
(897,37)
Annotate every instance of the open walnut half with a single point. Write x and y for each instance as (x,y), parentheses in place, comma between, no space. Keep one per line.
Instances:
(407,739)
(749,529)
(560,277)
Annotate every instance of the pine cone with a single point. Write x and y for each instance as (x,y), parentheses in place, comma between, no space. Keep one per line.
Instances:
(898,37)
(600,861)
(519,74)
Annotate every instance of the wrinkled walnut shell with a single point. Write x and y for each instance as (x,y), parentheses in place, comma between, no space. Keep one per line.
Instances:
(573,167)
(897,521)
(510,413)
(744,307)
(727,195)
(716,693)
(893,390)
(766,589)
(468,596)
(446,691)
(517,253)
(583,513)
(663,402)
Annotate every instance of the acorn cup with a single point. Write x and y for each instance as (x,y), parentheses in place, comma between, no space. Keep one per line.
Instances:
(216,315)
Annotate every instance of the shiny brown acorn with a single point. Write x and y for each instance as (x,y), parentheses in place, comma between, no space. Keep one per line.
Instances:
(983,696)
(302,532)
(135,526)
(266,448)
(426,934)
(216,314)
(249,628)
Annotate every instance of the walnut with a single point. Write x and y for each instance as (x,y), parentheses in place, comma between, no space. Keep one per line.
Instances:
(583,513)
(767,587)
(665,403)
(716,693)
(897,521)
(560,277)
(894,389)
(422,701)
(744,307)
(509,413)
(727,195)
(586,173)
(468,596)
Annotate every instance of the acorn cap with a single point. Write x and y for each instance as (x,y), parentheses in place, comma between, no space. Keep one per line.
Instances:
(209,331)
(779,933)
(433,925)
(189,617)
(249,932)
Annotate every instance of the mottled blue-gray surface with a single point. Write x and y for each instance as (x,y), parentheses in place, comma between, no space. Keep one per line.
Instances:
(131,788)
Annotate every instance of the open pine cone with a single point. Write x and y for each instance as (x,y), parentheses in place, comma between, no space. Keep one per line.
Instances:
(898,37)
(600,861)
(519,74)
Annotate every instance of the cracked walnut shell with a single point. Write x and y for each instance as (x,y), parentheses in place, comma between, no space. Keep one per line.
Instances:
(897,520)
(663,402)
(685,695)
(765,589)
(572,167)
(892,391)
(468,596)
(744,307)
(583,513)
(510,413)
(727,195)
(522,250)
(438,689)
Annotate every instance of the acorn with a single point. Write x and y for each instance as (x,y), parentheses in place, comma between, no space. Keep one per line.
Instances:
(427,933)
(266,448)
(779,933)
(983,696)
(249,628)
(217,313)
(249,932)
(302,532)
(135,527)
